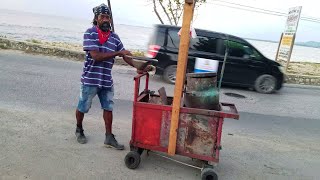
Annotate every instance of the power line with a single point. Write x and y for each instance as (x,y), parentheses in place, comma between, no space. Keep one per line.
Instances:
(306,17)
(276,14)
(263,11)
(249,6)
(268,12)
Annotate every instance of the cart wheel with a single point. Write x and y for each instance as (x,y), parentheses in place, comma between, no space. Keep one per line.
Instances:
(208,174)
(132,160)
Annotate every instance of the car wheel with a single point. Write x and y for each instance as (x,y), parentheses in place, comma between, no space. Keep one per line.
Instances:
(265,84)
(169,74)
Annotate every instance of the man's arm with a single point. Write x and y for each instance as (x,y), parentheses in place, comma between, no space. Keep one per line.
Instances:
(100,56)
(121,48)
(127,59)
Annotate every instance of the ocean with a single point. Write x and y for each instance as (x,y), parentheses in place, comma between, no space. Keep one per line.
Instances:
(25,26)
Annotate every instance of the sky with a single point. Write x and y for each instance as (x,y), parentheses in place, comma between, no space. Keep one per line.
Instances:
(211,16)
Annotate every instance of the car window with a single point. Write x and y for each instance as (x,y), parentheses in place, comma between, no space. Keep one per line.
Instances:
(240,50)
(206,44)
(157,37)
(256,55)
(237,50)
(173,40)
(201,43)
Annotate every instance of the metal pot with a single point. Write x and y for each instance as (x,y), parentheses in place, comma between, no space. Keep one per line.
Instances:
(201,91)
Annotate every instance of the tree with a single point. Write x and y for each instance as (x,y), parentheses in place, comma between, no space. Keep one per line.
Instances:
(172,9)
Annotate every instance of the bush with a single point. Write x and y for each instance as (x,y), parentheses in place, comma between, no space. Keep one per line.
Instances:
(34,41)
(3,46)
(137,53)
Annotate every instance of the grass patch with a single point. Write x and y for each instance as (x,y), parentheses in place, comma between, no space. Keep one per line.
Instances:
(34,41)
(3,46)
(137,53)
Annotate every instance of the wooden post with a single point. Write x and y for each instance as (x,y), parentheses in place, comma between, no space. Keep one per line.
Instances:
(291,49)
(180,75)
(112,24)
(279,47)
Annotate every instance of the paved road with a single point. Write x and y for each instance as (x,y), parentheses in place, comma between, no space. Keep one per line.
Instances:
(277,136)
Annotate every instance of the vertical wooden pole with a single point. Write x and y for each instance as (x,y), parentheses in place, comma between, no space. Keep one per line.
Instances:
(180,75)
(291,49)
(112,24)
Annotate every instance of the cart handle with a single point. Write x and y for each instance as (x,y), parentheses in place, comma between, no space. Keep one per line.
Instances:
(234,112)
(143,58)
(137,84)
(140,75)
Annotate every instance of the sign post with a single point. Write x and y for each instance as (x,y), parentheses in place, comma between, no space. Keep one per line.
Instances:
(288,36)
(278,47)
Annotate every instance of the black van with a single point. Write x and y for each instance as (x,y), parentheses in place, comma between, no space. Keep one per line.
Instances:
(245,65)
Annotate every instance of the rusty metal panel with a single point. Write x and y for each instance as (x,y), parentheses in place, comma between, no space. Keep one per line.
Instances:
(165,128)
(196,133)
(165,131)
(200,134)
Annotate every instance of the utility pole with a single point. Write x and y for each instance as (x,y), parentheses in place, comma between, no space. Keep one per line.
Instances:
(180,75)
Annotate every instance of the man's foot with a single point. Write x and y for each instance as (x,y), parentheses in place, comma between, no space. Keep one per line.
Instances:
(81,138)
(111,142)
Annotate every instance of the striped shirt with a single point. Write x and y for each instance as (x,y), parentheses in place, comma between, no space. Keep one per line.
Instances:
(96,73)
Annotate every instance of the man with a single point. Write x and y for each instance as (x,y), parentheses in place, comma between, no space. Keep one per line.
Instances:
(101,46)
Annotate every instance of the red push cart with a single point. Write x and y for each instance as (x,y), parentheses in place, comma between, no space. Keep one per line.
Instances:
(199,132)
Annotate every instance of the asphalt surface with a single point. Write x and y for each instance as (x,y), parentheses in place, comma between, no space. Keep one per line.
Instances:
(277,136)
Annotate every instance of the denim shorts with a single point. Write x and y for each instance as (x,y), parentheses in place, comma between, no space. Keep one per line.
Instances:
(87,93)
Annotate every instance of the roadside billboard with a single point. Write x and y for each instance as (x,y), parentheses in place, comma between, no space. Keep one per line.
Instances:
(293,20)
(288,36)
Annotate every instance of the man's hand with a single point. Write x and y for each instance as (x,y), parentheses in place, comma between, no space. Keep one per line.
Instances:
(101,56)
(125,53)
(146,69)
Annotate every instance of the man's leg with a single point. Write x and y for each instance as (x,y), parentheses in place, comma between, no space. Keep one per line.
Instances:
(107,116)
(85,100)
(79,117)
(81,138)
(110,140)
(106,100)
